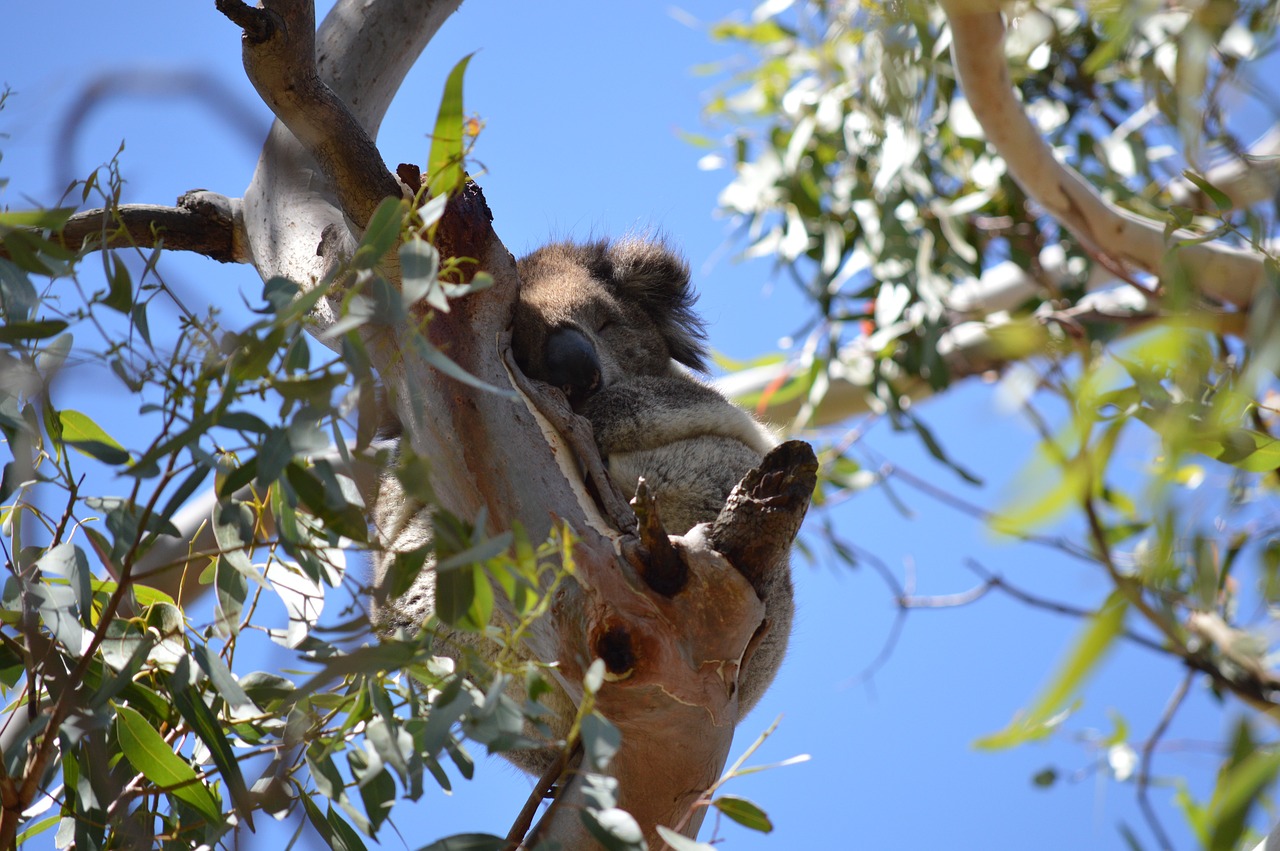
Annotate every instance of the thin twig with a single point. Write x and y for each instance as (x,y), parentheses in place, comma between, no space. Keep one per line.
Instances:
(1148,750)
(889,469)
(994,581)
(542,790)
(571,758)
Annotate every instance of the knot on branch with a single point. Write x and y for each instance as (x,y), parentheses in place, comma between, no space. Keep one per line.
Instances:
(259,25)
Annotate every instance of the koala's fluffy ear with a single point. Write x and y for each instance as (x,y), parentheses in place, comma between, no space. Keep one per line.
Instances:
(649,273)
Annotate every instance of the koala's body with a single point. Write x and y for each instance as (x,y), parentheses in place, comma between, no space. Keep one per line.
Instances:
(612,325)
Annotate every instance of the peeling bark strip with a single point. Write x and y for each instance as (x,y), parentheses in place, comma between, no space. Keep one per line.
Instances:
(1220,271)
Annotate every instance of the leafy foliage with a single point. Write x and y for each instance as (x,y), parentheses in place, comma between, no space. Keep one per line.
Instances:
(858,165)
(134,716)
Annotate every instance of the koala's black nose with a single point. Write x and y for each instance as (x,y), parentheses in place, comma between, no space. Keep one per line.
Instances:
(572,364)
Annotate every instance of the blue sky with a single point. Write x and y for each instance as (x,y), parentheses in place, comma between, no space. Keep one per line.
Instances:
(582,104)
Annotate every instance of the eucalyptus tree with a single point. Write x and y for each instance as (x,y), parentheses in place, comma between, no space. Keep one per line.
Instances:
(1067,200)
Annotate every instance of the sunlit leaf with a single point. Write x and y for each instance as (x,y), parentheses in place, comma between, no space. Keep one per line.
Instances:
(680,842)
(444,164)
(744,812)
(1089,650)
(615,829)
(150,754)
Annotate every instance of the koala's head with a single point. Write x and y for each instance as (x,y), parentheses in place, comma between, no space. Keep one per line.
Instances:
(589,315)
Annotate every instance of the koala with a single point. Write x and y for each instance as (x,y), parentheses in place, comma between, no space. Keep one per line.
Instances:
(612,325)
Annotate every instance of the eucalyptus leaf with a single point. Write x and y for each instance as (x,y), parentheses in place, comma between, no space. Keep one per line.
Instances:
(150,754)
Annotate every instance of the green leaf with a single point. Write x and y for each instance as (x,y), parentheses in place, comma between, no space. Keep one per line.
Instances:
(438,359)
(337,514)
(232,591)
(57,606)
(120,296)
(37,829)
(51,219)
(1216,195)
(339,835)
(191,706)
(403,570)
(445,174)
(1045,778)
(464,598)
(385,656)
(40,329)
(1237,790)
(89,438)
(1091,647)
(615,829)
(744,812)
(69,561)
(17,294)
(1245,449)
(600,741)
(1246,771)
(419,274)
(481,552)
(1029,511)
(150,754)
(381,234)
(220,675)
(344,836)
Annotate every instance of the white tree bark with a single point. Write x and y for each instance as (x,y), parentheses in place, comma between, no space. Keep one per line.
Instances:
(1220,271)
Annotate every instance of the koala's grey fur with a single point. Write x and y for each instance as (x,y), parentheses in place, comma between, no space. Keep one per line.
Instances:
(611,324)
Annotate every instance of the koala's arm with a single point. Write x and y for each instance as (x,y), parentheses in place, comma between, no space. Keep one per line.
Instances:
(650,411)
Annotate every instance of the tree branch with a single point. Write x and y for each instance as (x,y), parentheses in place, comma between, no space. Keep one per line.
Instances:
(968,348)
(1220,271)
(495,455)
(363,50)
(280,61)
(203,222)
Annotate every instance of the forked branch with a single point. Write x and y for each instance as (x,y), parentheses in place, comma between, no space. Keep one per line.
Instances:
(1220,271)
(280,61)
